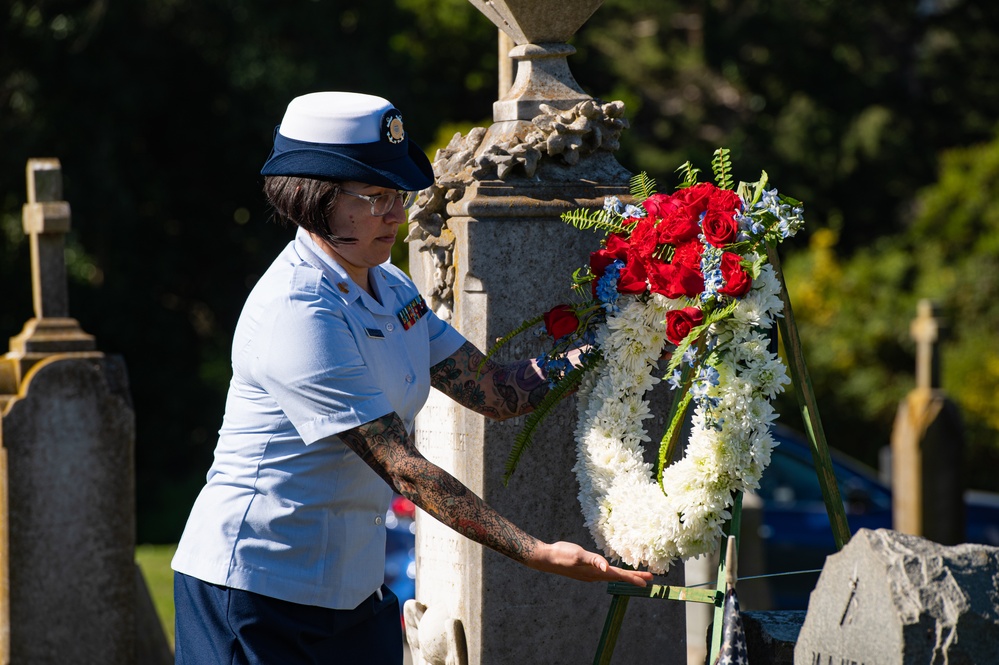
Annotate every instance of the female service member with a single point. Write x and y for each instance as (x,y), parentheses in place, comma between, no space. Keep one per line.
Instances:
(282,559)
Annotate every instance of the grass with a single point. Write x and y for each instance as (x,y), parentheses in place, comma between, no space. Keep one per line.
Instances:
(154,560)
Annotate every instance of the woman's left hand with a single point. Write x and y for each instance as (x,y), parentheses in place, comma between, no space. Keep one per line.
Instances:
(571,560)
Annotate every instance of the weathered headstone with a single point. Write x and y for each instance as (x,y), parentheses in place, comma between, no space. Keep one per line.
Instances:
(68,586)
(890,598)
(489,250)
(927,448)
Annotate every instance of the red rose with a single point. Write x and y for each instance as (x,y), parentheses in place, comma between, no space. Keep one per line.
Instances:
(720,227)
(632,278)
(696,198)
(737,280)
(679,323)
(659,205)
(679,226)
(560,321)
(674,280)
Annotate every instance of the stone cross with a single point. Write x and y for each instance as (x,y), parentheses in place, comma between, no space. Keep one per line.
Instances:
(45,219)
(927,445)
(925,330)
(46,222)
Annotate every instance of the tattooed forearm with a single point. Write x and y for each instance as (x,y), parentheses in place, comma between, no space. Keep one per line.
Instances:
(386,447)
(497,391)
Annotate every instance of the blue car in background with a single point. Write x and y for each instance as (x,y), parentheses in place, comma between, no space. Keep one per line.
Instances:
(794,527)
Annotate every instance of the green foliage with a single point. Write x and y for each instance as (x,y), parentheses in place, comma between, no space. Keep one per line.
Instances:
(595,220)
(569,383)
(154,562)
(642,186)
(721,166)
(505,339)
(688,175)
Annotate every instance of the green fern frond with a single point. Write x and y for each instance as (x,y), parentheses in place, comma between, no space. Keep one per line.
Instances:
(584,219)
(501,342)
(721,164)
(642,186)
(525,438)
(688,175)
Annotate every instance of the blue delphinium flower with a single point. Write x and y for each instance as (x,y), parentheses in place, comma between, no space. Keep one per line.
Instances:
(674,379)
(613,205)
(711,269)
(607,286)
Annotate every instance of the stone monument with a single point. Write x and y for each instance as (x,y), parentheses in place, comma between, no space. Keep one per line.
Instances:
(927,447)
(889,598)
(68,585)
(488,251)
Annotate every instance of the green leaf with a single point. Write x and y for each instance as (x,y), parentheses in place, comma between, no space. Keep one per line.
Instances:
(526,325)
(642,186)
(721,165)
(584,220)
(525,438)
(688,175)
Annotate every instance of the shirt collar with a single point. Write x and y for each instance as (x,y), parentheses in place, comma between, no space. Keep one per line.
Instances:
(382,280)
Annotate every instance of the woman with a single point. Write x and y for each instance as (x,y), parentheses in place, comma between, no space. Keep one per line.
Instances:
(282,559)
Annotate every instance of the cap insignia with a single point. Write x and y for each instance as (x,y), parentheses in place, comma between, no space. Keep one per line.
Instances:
(393,129)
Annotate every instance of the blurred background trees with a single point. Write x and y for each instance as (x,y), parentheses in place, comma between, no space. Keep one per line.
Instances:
(880,115)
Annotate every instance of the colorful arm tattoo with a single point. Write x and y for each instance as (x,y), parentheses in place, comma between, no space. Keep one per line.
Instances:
(498,391)
(386,447)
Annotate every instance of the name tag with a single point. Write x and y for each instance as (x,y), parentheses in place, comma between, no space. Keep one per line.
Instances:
(374,333)
(412,312)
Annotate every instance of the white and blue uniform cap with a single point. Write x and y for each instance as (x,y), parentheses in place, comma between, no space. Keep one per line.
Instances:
(347,136)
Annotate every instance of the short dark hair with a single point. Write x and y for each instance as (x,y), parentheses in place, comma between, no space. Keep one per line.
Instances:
(305,202)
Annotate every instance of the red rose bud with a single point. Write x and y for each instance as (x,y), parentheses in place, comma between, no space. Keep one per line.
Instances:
(560,321)
(679,323)
(720,227)
(737,280)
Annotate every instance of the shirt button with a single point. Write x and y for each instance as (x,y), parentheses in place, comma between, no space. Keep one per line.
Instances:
(378,520)
(390,327)
(409,378)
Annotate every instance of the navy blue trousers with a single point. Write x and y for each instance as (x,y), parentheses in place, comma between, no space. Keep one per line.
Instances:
(216,625)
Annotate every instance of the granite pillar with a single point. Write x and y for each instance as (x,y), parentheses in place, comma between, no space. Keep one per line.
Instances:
(489,250)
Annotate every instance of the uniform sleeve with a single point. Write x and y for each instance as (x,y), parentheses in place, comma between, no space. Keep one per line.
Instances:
(308,361)
(444,340)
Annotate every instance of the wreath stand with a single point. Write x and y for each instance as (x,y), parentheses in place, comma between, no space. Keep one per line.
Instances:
(623,592)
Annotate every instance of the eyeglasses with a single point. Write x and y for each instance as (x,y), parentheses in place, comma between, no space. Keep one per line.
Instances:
(382,204)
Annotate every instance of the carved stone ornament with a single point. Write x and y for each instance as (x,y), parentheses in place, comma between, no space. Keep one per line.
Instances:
(434,637)
(557,136)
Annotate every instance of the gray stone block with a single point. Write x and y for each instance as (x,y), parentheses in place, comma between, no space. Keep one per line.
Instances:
(890,598)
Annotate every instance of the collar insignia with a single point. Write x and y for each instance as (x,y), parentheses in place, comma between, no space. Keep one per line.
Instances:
(344,289)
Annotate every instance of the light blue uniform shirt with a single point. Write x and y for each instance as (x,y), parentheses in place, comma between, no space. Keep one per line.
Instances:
(289,511)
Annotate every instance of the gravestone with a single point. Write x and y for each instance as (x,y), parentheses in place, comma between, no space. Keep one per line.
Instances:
(889,598)
(489,250)
(927,447)
(68,585)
